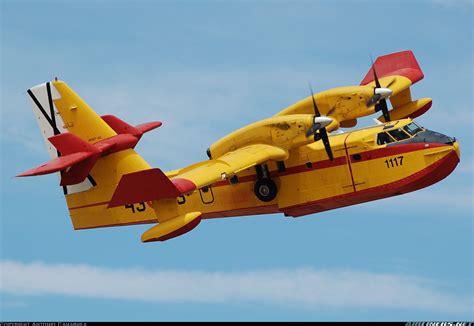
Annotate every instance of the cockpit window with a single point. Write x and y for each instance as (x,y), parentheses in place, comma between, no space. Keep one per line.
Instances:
(384,138)
(398,134)
(412,129)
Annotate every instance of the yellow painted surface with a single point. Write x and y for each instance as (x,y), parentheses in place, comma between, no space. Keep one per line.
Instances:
(298,185)
(78,117)
(308,175)
(406,109)
(169,226)
(346,104)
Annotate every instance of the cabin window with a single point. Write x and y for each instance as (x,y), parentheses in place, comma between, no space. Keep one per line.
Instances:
(384,138)
(412,129)
(398,134)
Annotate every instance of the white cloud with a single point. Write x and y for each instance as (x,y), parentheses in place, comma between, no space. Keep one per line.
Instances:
(307,288)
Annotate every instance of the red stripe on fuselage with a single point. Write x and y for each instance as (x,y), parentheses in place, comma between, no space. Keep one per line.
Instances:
(394,150)
(373,154)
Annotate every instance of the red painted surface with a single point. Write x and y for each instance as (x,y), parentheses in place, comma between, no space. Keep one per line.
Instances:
(424,178)
(400,63)
(141,186)
(341,160)
(57,164)
(183,185)
(67,143)
(79,171)
(290,170)
(80,156)
(394,150)
(120,126)
(146,127)
(117,143)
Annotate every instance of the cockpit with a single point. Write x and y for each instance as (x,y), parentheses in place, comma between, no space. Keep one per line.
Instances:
(398,134)
(410,133)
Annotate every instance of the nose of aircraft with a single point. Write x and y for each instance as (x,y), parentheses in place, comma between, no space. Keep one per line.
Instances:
(436,137)
(456,148)
(429,136)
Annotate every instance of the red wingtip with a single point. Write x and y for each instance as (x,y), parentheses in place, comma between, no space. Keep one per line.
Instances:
(399,63)
(145,127)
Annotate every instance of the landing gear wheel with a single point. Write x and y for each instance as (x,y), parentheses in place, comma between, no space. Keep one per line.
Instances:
(265,189)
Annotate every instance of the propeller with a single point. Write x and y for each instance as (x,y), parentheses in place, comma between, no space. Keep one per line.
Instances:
(318,129)
(381,94)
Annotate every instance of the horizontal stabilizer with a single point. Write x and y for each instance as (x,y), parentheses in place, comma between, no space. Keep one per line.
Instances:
(146,127)
(172,228)
(57,164)
(76,154)
(68,143)
(148,185)
(79,156)
(121,127)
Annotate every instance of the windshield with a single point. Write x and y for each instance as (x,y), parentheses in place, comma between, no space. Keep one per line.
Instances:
(398,134)
(384,138)
(412,128)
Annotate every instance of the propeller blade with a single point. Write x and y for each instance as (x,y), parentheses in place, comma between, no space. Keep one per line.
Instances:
(319,133)
(316,110)
(312,129)
(374,99)
(384,109)
(324,137)
(377,83)
(382,106)
(318,123)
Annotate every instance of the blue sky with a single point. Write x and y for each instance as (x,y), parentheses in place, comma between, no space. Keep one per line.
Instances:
(206,69)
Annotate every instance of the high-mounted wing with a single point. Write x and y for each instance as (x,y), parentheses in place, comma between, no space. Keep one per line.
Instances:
(153,184)
(396,72)
(208,172)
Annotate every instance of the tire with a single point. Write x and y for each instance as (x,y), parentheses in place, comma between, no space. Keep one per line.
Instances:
(265,190)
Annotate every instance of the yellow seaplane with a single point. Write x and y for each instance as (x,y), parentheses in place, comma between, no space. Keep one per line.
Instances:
(297,162)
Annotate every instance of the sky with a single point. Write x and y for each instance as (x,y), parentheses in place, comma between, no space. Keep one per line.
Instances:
(206,68)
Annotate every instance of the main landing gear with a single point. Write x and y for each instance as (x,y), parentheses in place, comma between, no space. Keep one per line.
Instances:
(265,188)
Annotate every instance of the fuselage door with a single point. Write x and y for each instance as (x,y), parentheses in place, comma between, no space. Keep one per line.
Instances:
(357,165)
(207,196)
